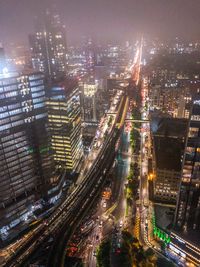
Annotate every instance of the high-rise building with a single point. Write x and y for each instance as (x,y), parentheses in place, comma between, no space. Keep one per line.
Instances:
(89,107)
(116,59)
(64,113)
(26,164)
(89,55)
(48,47)
(100,75)
(187,217)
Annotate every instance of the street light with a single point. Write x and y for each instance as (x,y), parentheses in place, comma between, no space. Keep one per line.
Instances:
(151,176)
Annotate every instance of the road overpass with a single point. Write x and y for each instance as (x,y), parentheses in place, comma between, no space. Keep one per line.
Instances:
(139,121)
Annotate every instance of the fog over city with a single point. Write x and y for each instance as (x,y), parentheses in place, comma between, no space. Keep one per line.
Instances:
(105,18)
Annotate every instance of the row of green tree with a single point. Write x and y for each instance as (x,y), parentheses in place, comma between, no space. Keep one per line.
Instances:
(133,183)
(135,130)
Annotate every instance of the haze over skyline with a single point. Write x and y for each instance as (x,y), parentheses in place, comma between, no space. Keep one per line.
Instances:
(105,19)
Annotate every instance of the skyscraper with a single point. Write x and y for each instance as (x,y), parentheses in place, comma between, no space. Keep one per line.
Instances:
(89,53)
(89,94)
(187,218)
(26,165)
(48,46)
(64,113)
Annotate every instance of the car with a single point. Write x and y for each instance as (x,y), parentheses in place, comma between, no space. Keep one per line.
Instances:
(119,245)
(120,223)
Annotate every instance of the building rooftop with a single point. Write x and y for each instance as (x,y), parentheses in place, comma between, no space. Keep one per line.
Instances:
(169,127)
(19,72)
(168,153)
(63,88)
(164,216)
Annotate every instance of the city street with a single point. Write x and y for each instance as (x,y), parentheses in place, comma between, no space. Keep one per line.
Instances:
(145,210)
(103,128)
(115,212)
(144,191)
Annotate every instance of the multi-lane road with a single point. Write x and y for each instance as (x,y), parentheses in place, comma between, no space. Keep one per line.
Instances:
(143,210)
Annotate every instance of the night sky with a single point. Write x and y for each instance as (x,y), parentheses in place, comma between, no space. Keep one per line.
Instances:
(106,19)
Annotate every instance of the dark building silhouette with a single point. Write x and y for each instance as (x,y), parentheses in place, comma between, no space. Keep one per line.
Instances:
(187,218)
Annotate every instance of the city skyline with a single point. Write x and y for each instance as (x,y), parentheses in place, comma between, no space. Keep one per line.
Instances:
(99,133)
(108,20)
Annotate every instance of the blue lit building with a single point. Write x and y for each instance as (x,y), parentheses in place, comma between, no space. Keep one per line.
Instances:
(26,164)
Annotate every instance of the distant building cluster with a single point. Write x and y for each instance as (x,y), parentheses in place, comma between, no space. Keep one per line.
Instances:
(174,103)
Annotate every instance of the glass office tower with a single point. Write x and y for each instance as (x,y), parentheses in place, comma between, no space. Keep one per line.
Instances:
(26,164)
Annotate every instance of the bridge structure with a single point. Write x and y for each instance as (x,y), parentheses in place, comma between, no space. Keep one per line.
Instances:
(139,121)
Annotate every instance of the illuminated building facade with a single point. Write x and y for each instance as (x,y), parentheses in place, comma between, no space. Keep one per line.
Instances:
(187,216)
(26,164)
(89,53)
(64,113)
(116,58)
(89,95)
(48,47)
(170,98)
